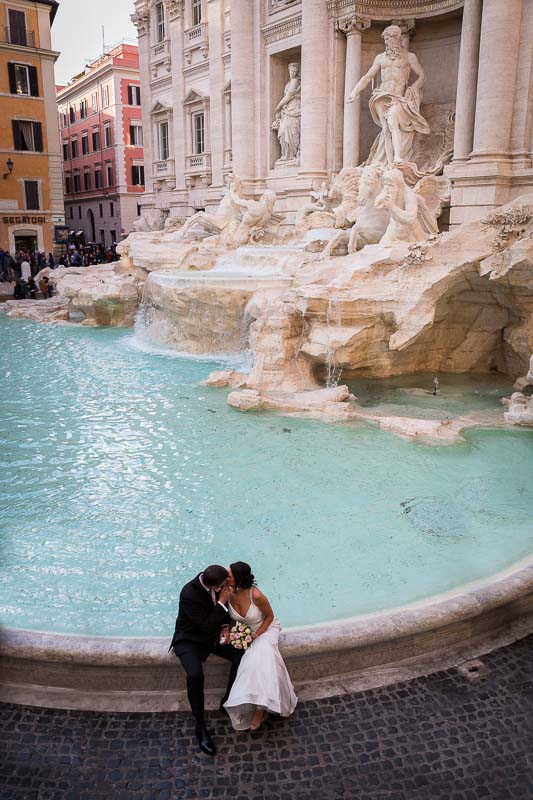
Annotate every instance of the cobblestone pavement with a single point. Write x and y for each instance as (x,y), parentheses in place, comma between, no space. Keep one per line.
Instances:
(448,736)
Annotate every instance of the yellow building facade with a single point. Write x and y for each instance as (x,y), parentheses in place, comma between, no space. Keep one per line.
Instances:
(31,190)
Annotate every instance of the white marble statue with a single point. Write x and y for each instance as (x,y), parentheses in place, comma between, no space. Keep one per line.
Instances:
(370,222)
(256,216)
(394,105)
(151,219)
(319,202)
(287,121)
(225,219)
(413,213)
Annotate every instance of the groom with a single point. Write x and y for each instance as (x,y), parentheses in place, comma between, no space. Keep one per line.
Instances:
(202,612)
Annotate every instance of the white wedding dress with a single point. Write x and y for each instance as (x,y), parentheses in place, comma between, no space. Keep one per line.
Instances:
(262,679)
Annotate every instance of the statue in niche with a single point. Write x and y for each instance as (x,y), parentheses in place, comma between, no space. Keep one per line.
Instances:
(413,213)
(394,105)
(287,121)
(225,219)
(256,216)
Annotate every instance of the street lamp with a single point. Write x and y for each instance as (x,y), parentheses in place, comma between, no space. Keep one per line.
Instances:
(9,165)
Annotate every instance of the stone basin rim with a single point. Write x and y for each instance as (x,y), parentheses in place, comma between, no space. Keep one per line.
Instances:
(471,600)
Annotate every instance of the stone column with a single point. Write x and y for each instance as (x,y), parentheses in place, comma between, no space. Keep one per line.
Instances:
(353,28)
(465,106)
(242,88)
(215,18)
(500,37)
(141,20)
(175,22)
(315,67)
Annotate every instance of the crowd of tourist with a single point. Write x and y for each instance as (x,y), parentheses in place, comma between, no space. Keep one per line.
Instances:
(21,268)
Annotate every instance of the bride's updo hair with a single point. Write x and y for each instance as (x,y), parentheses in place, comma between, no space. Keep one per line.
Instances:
(242,575)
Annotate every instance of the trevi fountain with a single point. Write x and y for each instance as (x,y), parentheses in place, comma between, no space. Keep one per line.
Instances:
(340,392)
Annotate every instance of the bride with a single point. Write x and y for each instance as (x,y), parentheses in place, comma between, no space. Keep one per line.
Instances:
(263,683)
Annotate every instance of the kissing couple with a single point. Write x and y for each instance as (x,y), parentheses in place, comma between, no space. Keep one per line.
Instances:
(214,611)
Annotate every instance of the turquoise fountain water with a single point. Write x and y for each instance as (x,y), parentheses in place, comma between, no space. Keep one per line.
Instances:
(122,476)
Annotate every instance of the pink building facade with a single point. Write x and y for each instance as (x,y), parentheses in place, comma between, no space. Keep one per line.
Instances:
(101,140)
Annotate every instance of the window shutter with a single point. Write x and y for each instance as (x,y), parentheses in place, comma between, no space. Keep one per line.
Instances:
(12,79)
(132,134)
(38,135)
(17,27)
(130,95)
(17,138)
(34,82)
(32,195)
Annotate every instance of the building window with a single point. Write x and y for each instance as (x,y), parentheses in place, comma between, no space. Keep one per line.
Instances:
(65,123)
(74,147)
(107,135)
(31,195)
(71,212)
(17,31)
(94,101)
(134,95)
(109,174)
(27,136)
(160,22)
(137,175)
(85,143)
(102,237)
(72,114)
(111,209)
(163,141)
(68,185)
(79,212)
(113,237)
(199,132)
(23,80)
(83,109)
(65,151)
(96,140)
(77,185)
(101,207)
(136,135)
(105,96)
(98,178)
(196,12)
(87,180)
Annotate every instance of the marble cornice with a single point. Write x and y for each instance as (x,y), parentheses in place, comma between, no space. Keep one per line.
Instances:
(391,9)
(282,30)
(275,6)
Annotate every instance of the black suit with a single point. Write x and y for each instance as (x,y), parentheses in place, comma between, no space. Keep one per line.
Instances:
(196,635)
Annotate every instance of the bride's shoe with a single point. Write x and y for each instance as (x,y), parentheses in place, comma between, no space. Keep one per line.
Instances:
(257,719)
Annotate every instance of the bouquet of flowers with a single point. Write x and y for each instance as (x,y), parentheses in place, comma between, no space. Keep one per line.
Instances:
(240,636)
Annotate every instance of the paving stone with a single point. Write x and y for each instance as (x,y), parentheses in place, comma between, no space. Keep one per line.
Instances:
(444,736)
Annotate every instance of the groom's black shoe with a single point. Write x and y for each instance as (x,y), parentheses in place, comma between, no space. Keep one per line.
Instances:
(206,743)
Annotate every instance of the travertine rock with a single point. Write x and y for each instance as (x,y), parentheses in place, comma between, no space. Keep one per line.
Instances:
(104,296)
(334,404)
(225,377)
(54,309)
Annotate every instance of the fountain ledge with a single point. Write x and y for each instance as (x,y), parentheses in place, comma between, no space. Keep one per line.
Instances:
(138,674)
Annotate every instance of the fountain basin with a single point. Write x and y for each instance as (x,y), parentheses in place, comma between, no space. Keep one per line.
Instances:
(139,674)
(123,476)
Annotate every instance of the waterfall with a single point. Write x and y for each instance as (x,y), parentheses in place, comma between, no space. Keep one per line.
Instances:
(333,322)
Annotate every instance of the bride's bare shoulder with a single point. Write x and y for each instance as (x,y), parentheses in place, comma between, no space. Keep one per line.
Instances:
(257,594)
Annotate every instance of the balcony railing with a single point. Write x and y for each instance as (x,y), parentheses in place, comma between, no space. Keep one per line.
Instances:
(196,38)
(161,50)
(198,164)
(20,36)
(163,168)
